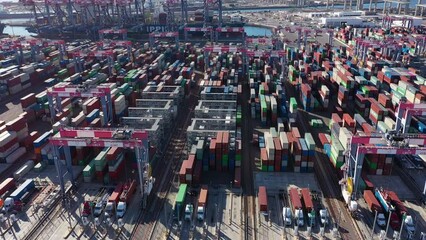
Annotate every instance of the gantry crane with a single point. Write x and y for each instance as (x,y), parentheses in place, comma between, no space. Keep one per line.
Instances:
(110,43)
(394,142)
(83,91)
(210,4)
(89,137)
(61,15)
(155,35)
(122,32)
(108,54)
(198,29)
(169,7)
(220,30)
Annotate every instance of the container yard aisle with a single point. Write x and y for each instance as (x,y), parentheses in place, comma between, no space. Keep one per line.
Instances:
(147,224)
(327,179)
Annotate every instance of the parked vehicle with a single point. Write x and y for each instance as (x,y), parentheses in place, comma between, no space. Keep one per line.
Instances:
(374,206)
(189,210)
(113,201)
(324,216)
(100,205)
(263,199)
(180,201)
(296,207)
(308,205)
(383,197)
(128,190)
(7,186)
(23,170)
(287,216)
(19,196)
(202,203)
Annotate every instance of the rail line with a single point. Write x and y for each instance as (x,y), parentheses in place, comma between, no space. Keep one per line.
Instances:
(174,149)
(247,169)
(53,213)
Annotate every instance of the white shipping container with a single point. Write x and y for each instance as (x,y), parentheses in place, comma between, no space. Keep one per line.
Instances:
(297,169)
(252,93)
(304,164)
(297,158)
(379,172)
(188,177)
(238,163)
(6,137)
(284,163)
(390,122)
(15,155)
(311,164)
(23,170)
(78,119)
(325,90)
(280,127)
(284,140)
(15,89)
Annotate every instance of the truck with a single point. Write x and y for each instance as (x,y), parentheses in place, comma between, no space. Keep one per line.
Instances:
(263,199)
(402,212)
(308,205)
(202,203)
(388,208)
(189,210)
(296,207)
(18,197)
(87,208)
(128,190)
(100,204)
(6,186)
(180,201)
(374,206)
(323,216)
(113,201)
(287,216)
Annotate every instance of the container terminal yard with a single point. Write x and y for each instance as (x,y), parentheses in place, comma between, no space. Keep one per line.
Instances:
(200,131)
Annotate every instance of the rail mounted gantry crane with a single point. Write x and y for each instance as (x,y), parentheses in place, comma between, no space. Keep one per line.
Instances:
(122,32)
(221,30)
(206,30)
(155,35)
(394,142)
(108,54)
(82,91)
(134,139)
(281,54)
(111,44)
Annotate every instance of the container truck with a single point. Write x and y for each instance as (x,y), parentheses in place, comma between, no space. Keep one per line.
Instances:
(7,186)
(23,170)
(308,205)
(180,201)
(113,201)
(19,196)
(384,200)
(128,190)
(189,210)
(202,203)
(263,199)
(287,216)
(296,207)
(374,207)
(402,212)
(100,205)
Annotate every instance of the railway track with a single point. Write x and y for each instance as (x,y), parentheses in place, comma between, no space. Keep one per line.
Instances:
(173,153)
(46,220)
(247,169)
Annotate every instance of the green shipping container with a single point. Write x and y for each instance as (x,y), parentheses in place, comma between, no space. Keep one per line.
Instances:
(238,157)
(270,168)
(264,168)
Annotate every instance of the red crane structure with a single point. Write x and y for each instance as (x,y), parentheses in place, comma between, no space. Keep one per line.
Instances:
(134,139)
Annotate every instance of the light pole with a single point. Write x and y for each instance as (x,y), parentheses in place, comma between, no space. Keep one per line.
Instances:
(402,225)
(374,225)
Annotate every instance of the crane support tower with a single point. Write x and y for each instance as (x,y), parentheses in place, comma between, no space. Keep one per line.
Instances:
(88,137)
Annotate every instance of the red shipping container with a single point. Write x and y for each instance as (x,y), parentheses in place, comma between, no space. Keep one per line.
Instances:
(263,199)
(9,144)
(323,139)
(113,153)
(96,123)
(28,100)
(295,132)
(16,124)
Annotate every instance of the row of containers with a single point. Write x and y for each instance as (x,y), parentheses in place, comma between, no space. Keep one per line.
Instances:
(286,151)
(215,154)
(15,139)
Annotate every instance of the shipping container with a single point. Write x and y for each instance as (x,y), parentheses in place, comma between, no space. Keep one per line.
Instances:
(263,199)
